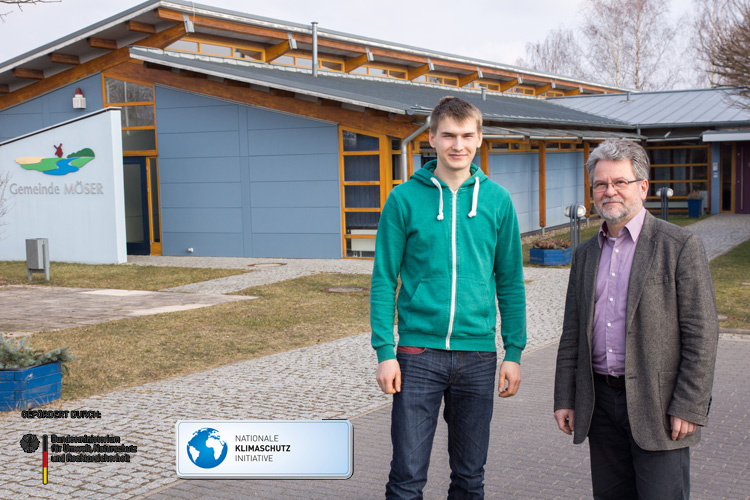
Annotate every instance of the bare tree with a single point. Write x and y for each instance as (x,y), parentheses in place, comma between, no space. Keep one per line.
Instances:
(723,28)
(20,4)
(5,201)
(628,42)
(559,53)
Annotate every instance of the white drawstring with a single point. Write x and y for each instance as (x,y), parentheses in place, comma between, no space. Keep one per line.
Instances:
(475,198)
(440,190)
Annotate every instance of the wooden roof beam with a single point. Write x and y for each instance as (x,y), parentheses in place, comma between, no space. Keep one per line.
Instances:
(355,62)
(102,43)
(57,57)
(141,27)
(88,68)
(274,52)
(571,92)
(544,88)
(4,89)
(414,73)
(467,79)
(511,83)
(31,74)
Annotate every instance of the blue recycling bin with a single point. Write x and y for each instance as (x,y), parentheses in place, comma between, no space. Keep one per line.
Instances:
(695,207)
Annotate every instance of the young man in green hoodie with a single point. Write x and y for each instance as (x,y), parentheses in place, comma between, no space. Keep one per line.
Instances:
(452,237)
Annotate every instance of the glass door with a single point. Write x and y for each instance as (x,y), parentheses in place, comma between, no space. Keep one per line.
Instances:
(136,205)
(142,213)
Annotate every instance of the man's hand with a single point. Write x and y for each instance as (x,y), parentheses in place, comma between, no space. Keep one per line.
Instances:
(681,428)
(510,372)
(566,420)
(389,376)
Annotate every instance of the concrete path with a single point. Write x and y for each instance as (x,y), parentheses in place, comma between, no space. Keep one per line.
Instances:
(529,458)
(35,308)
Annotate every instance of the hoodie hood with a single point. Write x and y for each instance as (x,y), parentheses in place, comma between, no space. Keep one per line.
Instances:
(426,175)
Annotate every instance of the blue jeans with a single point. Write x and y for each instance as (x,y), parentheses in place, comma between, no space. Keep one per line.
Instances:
(466,379)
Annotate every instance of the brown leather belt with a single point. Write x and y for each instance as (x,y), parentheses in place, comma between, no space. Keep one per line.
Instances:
(612,381)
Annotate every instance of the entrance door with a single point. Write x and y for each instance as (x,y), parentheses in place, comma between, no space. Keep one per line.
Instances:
(742,179)
(136,205)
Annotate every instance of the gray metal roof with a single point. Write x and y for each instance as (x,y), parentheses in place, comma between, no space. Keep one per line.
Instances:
(390,95)
(113,28)
(715,107)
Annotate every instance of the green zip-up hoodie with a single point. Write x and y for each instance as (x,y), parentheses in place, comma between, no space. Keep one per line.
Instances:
(454,253)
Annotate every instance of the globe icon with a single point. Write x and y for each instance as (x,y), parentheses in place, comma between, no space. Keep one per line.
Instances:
(206,449)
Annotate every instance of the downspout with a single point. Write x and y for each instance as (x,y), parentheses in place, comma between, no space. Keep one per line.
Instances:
(405,143)
(315,48)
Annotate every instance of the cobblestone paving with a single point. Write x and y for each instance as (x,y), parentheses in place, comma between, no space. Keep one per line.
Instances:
(336,380)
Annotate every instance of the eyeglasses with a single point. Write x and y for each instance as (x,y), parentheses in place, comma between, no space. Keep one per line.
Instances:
(619,185)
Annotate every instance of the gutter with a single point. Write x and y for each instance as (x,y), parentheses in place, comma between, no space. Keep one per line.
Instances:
(405,143)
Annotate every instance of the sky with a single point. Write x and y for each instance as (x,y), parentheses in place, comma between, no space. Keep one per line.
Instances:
(494,30)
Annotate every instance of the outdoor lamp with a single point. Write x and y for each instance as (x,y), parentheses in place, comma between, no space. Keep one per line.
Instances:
(580,211)
(79,102)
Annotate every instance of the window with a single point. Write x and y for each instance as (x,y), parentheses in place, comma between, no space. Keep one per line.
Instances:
(684,168)
(138,119)
(370,166)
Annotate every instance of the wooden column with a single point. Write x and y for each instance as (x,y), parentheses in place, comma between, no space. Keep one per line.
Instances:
(542,185)
(485,157)
(586,180)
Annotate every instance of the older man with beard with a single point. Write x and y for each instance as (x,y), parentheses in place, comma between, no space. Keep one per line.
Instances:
(636,357)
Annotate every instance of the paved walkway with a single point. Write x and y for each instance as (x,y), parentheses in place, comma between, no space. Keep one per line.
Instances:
(529,457)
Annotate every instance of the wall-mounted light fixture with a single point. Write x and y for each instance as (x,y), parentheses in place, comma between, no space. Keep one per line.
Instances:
(79,102)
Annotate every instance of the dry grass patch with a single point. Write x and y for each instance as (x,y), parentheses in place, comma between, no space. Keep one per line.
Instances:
(729,272)
(285,316)
(120,276)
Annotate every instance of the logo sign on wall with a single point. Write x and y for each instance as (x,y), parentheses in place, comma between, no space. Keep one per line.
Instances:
(57,165)
(65,183)
(264,449)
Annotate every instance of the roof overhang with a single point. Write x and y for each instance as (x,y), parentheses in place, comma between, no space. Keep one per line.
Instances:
(726,135)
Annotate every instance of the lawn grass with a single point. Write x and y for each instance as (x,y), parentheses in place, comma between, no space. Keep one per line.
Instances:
(125,277)
(135,351)
(731,275)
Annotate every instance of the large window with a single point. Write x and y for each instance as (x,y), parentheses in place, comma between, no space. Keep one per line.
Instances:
(684,168)
(370,166)
(138,122)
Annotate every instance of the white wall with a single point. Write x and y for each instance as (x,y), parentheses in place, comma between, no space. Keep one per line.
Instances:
(82,213)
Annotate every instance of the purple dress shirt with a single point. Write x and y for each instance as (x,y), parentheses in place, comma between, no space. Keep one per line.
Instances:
(612,279)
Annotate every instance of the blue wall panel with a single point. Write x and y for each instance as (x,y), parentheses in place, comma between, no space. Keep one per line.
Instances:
(295,194)
(199,169)
(300,141)
(50,109)
(295,220)
(199,119)
(205,195)
(312,168)
(296,246)
(198,144)
(265,183)
(519,174)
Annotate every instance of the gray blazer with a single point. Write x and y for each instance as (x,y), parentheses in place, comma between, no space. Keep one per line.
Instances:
(672,335)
